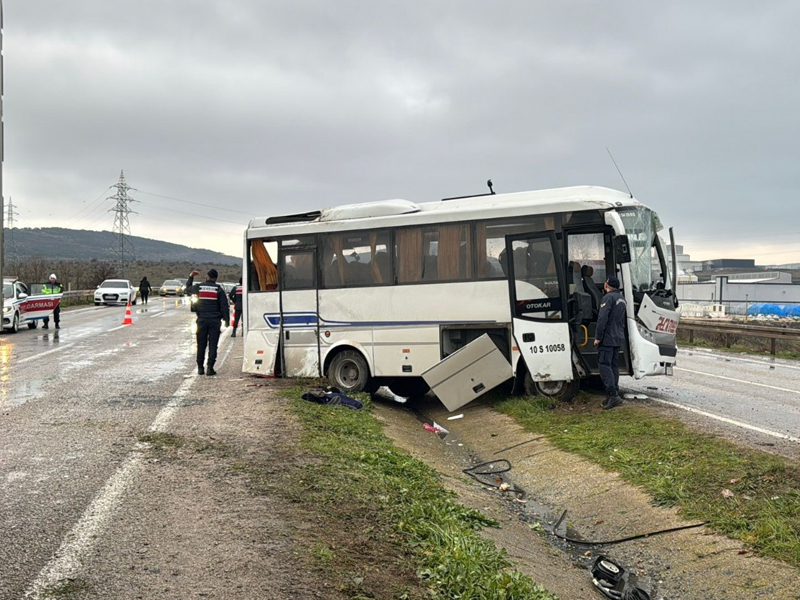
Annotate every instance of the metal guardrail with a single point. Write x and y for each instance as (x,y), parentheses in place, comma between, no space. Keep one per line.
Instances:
(728,329)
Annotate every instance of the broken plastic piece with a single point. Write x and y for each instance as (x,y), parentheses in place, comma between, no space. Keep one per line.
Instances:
(614,581)
(453,418)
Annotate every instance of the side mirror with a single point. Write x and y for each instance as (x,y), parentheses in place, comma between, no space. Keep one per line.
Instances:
(22,295)
(622,250)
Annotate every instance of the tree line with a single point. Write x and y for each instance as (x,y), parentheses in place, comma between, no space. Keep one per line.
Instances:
(87,275)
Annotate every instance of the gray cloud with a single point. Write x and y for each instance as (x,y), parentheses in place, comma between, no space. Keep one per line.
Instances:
(275,107)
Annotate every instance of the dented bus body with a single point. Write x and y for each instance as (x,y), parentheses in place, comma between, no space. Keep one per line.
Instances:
(382,293)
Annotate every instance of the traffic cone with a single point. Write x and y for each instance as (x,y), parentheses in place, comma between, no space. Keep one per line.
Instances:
(128,320)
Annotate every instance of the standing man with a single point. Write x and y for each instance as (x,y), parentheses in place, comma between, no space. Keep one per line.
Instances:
(609,337)
(212,308)
(53,287)
(236,298)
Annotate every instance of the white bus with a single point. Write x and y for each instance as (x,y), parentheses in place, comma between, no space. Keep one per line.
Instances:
(379,293)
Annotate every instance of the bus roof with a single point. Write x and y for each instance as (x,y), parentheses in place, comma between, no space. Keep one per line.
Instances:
(393,213)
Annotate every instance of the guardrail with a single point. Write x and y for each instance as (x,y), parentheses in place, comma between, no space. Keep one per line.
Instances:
(728,329)
(77,297)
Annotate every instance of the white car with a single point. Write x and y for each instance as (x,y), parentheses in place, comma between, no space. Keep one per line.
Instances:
(115,291)
(21,306)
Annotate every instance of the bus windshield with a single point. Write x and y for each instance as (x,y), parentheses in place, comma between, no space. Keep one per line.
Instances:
(648,265)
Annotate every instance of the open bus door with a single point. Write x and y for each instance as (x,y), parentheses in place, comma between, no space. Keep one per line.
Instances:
(299,305)
(539,318)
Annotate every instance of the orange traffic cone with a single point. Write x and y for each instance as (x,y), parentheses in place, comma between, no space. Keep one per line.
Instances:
(128,320)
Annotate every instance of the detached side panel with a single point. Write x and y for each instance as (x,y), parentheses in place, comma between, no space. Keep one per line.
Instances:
(468,373)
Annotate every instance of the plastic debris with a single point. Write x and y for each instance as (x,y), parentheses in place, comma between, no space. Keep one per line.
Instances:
(453,418)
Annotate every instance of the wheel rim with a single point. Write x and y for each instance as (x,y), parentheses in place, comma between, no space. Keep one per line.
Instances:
(347,375)
(551,388)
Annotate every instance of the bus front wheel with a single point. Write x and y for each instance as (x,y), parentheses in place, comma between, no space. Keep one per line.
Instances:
(349,372)
(564,391)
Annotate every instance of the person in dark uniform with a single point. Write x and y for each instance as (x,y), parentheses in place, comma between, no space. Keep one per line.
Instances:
(53,287)
(236,298)
(211,309)
(144,289)
(609,337)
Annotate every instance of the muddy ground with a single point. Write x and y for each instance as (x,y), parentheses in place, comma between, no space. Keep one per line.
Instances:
(689,564)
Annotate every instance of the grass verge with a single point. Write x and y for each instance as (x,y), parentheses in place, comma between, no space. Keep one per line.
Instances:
(357,471)
(749,495)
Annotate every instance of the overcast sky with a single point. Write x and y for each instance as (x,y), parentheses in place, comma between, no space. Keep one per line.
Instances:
(223,110)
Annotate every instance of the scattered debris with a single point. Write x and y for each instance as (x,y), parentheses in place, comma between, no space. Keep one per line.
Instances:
(615,581)
(435,428)
(635,396)
(649,387)
(453,418)
(332,397)
(727,493)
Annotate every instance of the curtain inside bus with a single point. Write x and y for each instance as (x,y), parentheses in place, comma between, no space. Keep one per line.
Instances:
(266,270)
(454,252)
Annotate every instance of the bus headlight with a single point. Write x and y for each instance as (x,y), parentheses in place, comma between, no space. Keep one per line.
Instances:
(646,333)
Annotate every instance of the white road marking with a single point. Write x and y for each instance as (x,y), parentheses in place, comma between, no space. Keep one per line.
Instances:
(77,544)
(768,432)
(772,387)
(45,353)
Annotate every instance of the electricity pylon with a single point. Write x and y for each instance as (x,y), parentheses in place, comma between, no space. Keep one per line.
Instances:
(123,246)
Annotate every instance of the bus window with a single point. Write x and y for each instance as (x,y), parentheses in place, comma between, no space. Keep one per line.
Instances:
(490,238)
(536,279)
(263,273)
(439,253)
(298,270)
(356,259)
(589,251)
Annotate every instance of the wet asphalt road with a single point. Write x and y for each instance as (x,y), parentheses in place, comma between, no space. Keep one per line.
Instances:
(752,393)
(73,403)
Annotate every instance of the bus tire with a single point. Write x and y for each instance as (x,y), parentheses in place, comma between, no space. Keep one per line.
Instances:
(409,387)
(349,372)
(563,391)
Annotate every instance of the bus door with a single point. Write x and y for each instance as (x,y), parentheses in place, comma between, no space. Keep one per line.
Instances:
(299,323)
(538,306)
(590,260)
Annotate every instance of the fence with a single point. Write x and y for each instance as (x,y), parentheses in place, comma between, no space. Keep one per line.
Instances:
(789,334)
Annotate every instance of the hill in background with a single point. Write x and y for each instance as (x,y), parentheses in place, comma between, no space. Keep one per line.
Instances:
(58,243)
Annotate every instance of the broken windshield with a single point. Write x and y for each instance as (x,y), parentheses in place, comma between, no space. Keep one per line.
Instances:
(648,268)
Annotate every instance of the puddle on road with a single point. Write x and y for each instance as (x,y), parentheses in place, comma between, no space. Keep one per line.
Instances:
(18,394)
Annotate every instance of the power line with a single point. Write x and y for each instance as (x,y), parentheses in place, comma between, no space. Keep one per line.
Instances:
(190,202)
(215,219)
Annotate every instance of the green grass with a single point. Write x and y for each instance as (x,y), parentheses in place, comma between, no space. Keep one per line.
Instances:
(680,468)
(358,465)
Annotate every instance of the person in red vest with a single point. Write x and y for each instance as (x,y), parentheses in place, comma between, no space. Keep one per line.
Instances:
(236,298)
(212,308)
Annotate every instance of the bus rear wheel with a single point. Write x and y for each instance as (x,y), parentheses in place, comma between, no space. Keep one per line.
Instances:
(349,372)
(563,391)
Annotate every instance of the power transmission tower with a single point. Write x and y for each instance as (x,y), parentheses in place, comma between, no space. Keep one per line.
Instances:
(11,242)
(123,246)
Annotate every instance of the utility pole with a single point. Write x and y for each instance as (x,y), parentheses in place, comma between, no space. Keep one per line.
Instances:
(122,226)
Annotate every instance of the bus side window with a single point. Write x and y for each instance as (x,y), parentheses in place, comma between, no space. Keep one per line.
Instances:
(490,240)
(356,259)
(263,272)
(298,270)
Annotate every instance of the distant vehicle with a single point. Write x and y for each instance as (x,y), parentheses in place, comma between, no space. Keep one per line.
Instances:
(20,306)
(115,291)
(171,287)
(183,285)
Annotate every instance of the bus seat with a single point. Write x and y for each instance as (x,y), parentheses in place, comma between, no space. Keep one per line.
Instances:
(430,271)
(591,287)
(384,266)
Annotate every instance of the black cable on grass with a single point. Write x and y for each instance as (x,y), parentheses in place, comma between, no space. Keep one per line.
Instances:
(475,472)
(619,541)
(536,439)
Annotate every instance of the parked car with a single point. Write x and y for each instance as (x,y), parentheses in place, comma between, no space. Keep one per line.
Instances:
(171,287)
(115,291)
(20,306)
